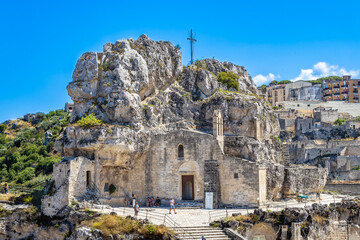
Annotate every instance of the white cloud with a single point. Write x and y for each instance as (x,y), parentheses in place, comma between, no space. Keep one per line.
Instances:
(261,79)
(323,69)
(318,70)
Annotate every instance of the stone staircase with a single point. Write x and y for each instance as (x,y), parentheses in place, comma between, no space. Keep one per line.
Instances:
(197,232)
(189,204)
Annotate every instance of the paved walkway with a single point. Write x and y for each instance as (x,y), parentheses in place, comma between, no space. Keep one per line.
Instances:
(202,217)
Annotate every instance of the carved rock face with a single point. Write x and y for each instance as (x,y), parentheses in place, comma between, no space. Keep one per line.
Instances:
(143,85)
(112,84)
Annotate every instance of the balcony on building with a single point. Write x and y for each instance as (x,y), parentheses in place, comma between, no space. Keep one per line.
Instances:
(336,86)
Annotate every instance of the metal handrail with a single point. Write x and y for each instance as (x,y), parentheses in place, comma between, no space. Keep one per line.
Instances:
(176,225)
(167,221)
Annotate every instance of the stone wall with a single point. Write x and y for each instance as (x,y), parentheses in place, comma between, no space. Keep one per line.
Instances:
(311,93)
(325,115)
(304,125)
(211,180)
(294,179)
(163,176)
(304,180)
(70,182)
(287,124)
(239,181)
(340,106)
(344,187)
(165,169)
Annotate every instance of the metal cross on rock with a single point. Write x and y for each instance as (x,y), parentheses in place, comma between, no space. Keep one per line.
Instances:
(191,44)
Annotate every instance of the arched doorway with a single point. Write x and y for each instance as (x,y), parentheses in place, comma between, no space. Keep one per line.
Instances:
(187,182)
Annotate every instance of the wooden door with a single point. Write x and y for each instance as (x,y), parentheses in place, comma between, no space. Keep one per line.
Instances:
(187,187)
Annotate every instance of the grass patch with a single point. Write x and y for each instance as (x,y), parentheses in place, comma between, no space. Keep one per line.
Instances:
(4,212)
(319,219)
(7,197)
(113,224)
(239,218)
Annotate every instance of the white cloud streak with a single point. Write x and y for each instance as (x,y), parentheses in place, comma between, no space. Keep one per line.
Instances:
(318,70)
(261,79)
(323,69)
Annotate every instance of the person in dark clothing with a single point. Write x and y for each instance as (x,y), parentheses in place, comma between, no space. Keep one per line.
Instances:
(157,202)
(133,199)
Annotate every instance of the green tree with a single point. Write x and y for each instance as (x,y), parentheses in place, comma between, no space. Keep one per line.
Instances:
(285,82)
(2,128)
(274,82)
(263,88)
(46,164)
(4,174)
(339,121)
(26,175)
(13,158)
(229,79)
(330,78)
(3,139)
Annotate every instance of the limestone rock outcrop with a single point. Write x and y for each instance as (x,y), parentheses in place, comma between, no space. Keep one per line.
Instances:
(139,88)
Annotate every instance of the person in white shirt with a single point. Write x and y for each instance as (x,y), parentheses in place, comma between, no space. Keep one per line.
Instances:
(137,209)
(172,205)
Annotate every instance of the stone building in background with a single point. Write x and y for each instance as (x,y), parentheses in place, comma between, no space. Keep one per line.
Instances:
(300,90)
(69,107)
(345,90)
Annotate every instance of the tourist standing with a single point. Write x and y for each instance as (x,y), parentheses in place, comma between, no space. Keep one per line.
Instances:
(137,209)
(203,238)
(172,205)
(6,188)
(133,197)
(127,201)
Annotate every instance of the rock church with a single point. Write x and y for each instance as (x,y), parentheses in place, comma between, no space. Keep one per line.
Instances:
(197,133)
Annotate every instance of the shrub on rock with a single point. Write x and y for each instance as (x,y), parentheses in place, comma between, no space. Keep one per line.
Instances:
(89,121)
(229,79)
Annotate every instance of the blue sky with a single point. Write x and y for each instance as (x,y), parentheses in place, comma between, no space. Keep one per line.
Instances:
(41,40)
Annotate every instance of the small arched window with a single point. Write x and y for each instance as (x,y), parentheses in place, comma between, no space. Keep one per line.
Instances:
(180,151)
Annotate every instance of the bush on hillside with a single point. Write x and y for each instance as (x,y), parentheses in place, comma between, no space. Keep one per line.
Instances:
(229,79)
(26,175)
(274,82)
(339,121)
(2,128)
(24,155)
(89,121)
(285,82)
